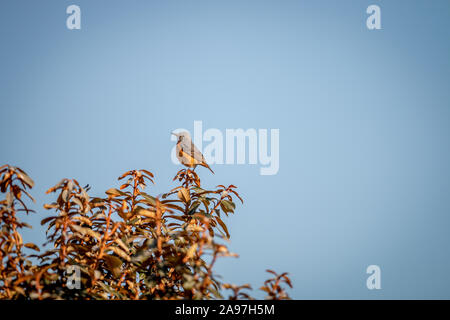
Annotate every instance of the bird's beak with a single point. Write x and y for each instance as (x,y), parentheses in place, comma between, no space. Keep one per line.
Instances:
(173,133)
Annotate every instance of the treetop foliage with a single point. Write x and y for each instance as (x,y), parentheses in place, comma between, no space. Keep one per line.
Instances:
(126,245)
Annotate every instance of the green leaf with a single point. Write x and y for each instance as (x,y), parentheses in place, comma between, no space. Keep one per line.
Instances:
(113,264)
(120,253)
(113,192)
(194,207)
(227,206)
(151,200)
(183,195)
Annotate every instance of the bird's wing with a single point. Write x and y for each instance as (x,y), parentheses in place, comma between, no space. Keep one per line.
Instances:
(188,146)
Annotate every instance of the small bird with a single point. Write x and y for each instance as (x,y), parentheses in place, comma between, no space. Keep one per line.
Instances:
(187,152)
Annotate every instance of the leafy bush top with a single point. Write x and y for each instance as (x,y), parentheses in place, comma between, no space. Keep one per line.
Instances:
(127,245)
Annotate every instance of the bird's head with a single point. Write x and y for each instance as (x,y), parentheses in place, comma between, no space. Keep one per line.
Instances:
(184,135)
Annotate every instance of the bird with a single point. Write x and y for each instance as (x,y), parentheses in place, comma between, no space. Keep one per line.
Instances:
(187,152)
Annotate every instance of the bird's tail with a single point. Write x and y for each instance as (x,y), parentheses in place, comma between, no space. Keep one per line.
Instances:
(207,166)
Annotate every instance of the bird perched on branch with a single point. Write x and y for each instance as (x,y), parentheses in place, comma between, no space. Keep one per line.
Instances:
(187,152)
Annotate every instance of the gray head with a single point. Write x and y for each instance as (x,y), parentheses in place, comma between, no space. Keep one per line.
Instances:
(183,135)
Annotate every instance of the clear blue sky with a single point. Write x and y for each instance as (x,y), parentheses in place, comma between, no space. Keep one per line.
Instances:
(364,119)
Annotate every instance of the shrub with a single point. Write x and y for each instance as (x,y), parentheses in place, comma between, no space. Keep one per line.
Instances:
(127,245)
